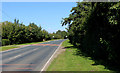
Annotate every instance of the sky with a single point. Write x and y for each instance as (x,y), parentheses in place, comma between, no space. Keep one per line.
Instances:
(48,15)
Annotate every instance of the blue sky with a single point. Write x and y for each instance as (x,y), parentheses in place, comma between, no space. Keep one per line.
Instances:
(46,14)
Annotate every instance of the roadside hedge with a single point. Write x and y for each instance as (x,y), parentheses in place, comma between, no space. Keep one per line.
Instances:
(95,29)
(5,42)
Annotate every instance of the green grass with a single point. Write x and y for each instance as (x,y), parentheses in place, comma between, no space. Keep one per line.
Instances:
(68,61)
(3,48)
(8,47)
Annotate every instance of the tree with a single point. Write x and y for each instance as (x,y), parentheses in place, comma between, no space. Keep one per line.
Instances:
(19,33)
(94,28)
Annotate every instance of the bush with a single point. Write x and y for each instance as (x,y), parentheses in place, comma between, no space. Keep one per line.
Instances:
(5,42)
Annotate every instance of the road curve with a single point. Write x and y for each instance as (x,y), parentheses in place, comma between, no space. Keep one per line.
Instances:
(29,58)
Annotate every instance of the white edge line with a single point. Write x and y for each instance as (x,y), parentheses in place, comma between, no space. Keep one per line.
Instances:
(50,58)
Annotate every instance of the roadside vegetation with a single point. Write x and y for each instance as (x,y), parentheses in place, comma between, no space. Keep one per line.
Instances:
(70,61)
(94,28)
(8,47)
(18,33)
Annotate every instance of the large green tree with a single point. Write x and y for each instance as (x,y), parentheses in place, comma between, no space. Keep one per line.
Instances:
(94,28)
(19,33)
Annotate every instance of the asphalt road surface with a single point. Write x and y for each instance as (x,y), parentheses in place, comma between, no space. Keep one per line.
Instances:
(29,58)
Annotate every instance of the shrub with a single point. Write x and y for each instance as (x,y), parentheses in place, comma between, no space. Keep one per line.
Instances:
(5,42)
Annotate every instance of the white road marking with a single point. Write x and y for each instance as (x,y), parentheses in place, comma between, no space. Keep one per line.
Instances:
(50,58)
(35,49)
(15,57)
(22,54)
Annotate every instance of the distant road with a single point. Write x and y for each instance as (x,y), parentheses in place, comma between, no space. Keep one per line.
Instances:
(30,58)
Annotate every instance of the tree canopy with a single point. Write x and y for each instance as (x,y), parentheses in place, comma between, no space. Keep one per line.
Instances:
(95,29)
(17,33)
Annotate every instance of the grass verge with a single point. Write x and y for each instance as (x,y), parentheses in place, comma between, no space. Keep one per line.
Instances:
(8,47)
(3,48)
(69,61)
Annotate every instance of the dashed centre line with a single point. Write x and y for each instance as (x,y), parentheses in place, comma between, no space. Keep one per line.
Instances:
(15,57)
(22,54)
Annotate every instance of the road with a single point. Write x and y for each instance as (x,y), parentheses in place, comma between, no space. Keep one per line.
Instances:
(29,58)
